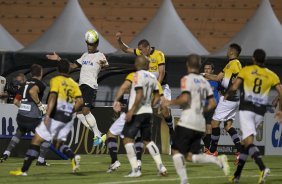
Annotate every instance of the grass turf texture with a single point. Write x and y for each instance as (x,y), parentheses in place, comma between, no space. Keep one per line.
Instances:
(94,167)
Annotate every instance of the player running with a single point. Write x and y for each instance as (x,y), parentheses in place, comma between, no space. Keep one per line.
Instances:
(256,81)
(64,100)
(30,112)
(117,127)
(139,116)
(157,68)
(226,109)
(191,127)
(91,63)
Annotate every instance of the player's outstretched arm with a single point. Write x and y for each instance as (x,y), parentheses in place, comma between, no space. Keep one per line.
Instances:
(56,57)
(53,57)
(122,45)
(213,77)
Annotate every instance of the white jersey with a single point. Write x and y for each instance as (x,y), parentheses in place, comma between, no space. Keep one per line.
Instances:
(199,89)
(90,68)
(148,82)
(2,84)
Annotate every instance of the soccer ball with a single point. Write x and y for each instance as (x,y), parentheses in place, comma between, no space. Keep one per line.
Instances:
(91,36)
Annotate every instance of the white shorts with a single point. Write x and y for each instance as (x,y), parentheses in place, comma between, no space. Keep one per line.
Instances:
(249,121)
(166,91)
(54,130)
(225,110)
(118,125)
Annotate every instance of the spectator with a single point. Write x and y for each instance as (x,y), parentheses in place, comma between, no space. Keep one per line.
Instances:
(3,93)
(14,85)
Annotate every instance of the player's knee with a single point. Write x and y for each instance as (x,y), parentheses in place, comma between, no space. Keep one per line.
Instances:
(85,110)
(228,124)
(189,157)
(214,124)
(127,140)
(37,140)
(110,135)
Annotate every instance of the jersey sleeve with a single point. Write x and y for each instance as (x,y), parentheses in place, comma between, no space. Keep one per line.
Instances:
(236,67)
(242,74)
(54,85)
(137,81)
(275,80)
(79,60)
(161,58)
(130,77)
(184,85)
(137,52)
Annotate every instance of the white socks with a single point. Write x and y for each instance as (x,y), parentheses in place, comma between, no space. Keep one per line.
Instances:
(41,159)
(90,122)
(131,155)
(81,117)
(7,152)
(155,153)
(179,164)
(204,158)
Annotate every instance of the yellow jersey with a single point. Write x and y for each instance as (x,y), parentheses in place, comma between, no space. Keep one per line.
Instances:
(231,71)
(130,78)
(156,59)
(67,91)
(257,82)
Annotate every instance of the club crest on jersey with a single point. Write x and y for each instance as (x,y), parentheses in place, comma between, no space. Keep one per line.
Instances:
(153,60)
(228,66)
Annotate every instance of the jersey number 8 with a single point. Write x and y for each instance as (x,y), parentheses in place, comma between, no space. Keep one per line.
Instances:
(257,85)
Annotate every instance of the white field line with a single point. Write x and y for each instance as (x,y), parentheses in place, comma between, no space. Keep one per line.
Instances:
(177,179)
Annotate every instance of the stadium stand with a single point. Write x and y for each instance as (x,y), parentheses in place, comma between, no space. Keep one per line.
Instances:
(109,16)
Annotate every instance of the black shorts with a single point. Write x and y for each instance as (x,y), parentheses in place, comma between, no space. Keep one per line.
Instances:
(142,122)
(208,116)
(27,124)
(88,95)
(187,140)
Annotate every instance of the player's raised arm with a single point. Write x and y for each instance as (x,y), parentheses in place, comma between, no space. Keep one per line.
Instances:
(122,45)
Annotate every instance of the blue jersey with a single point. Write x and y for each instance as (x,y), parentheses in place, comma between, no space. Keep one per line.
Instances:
(215,85)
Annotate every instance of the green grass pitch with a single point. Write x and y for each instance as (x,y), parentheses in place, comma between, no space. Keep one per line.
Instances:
(93,170)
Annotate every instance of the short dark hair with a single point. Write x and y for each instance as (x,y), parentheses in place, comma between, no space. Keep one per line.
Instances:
(144,43)
(193,61)
(63,66)
(236,47)
(259,56)
(35,70)
(209,63)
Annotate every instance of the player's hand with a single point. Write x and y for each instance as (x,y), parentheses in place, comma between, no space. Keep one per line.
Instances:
(128,116)
(118,35)
(117,106)
(42,108)
(54,57)
(278,116)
